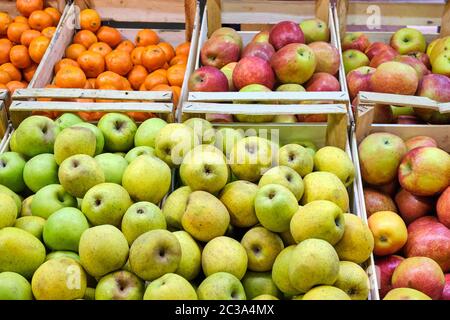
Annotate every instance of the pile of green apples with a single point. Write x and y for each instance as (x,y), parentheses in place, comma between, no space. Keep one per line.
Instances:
(90,225)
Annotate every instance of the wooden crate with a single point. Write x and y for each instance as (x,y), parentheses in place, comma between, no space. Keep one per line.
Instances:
(253,16)
(129,17)
(3,112)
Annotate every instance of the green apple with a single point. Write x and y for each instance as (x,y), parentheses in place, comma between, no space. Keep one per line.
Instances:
(102,249)
(353,280)
(226,138)
(204,168)
(221,286)
(59,279)
(259,283)
(203,129)
(113,166)
(147,131)
(325,293)
(147,187)
(239,198)
(286,177)
(262,247)
(170,286)
(313,262)
(296,157)
(224,254)
(72,141)
(119,285)
(154,254)
(79,173)
(407,40)
(274,206)
(173,142)
(89,294)
(140,218)
(51,198)
(99,139)
(14,287)
(106,203)
(287,238)
(315,30)
(118,130)
(40,171)
(191,256)
(353,59)
(254,118)
(32,224)
(20,251)
(320,219)
(26,207)
(174,206)
(62,254)
(337,161)
(8,211)
(11,171)
(35,135)
(67,120)
(17,199)
(64,228)
(251,157)
(280,274)
(139,151)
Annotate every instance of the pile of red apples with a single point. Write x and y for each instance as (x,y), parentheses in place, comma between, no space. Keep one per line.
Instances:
(407,197)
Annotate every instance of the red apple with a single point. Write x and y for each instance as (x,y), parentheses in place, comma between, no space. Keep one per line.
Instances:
(219,51)
(218,117)
(420,68)
(423,57)
(294,63)
(420,273)
(383,57)
(253,70)
(427,237)
(395,77)
(377,48)
(359,80)
(377,201)
(262,36)
(323,82)
(386,266)
(208,79)
(446,291)
(327,57)
(412,207)
(420,141)
(285,32)
(263,50)
(443,207)
(383,113)
(407,119)
(435,87)
(355,40)
(312,118)
(228,32)
(390,188)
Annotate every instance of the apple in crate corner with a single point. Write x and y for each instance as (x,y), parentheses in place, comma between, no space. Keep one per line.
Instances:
(253,70)
(327,57)
(386,267)
(284,33)
(208,79)
(315,30)
(355,40)
(323,82)
(395,77)
(359,80)
(435,87)
(443,207)
(354,59)
(412,207)
(377,48)
(219,51)
(420,68)
(294,63)
(263,50)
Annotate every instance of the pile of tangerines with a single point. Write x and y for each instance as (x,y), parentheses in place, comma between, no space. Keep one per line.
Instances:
(24,40)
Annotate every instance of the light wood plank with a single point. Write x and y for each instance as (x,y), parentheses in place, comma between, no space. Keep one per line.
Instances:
(398,100)
(273,96)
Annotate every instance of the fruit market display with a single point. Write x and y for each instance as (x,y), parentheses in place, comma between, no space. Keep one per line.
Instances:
(289,57)
(407,197)
(23,42)
(79,214)
(407,65)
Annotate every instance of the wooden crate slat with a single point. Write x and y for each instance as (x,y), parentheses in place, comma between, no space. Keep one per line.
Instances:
(267,96)
(398,100)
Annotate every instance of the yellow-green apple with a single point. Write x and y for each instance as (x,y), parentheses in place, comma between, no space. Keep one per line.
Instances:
(280,274)
(263,50)
(113,166)
(385,56)
(203,129)
(106,203)
(389,232)
(139,151)
(355,40)
(323,81)
(422,57)
(443,207)
(79,173)
(296,157)
(379,156)
(353,59)
(262,247)
(406,40)
(353,280)
(386,266)
(337,161)
(64,228)
(395,77)
(420,273)
(25,210)
(191,256)
(254,118)
(67,120)
(224,254)
(441,64)
(239,198)
(174,206)
(420,141)
(406,294)
(327,57)
(427,237)
(315,30)
(226,138)
(325,293)
(50,199)
(62,254)
(294,63)
(412,207)
(227,70)
(32,224)
(11,171)
(170,286)
(35,135)
(72,141)
(262,36)
(357,242)
(274,206)
(99,138)
(285,118)
(313,262)
(8,211)
(377,201)
(141,217)
(219,51)
(284,33)
(259,283)
(359,80)
(228,32)
(221,286)
(377,48)
(291,87)
(446,291)
(425,171)
(40,171)
(119,285)
(420,68)
(253,70)
(118,130)
(13,286)
(438,47)
(285,176)
(147,131)
(17,199)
